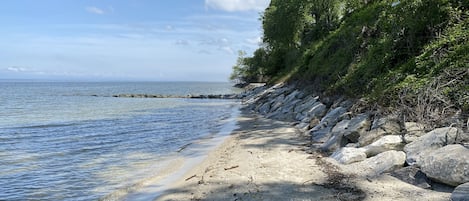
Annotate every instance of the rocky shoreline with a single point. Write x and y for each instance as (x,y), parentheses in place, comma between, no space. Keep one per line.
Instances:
(367,144)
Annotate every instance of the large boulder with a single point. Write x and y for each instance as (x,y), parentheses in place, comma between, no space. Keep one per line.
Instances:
(449,165)
(376,165)
(347,155)
(461,193)
(385,143)
(432,141)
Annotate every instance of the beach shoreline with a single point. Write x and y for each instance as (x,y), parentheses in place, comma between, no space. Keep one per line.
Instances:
(265,159)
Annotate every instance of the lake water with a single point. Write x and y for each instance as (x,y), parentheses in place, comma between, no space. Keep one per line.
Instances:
(60,142)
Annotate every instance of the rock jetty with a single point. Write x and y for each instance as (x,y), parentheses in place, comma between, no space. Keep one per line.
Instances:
(211,96)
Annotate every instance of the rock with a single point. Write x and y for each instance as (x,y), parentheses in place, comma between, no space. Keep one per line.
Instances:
(322,131)
(332,117)
(431,141)
(385,143)
(306,104)
(461,193)
(388,124)
(380,127)
(383,162)
(414,176)
(336,141)
(337,137)
(369,137)
(356,127)
(448,165)
(347,155)
(277,102)
(318,110)
(319,134)
(264,108)
(414,131)
(293,95)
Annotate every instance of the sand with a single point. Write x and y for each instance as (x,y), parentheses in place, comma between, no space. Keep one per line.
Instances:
(269,160)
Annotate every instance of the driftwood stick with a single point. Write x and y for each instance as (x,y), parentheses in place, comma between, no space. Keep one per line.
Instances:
(232,167)
(184,147)
(191,177)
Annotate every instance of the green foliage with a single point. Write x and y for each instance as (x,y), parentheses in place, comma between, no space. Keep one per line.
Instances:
(379,49)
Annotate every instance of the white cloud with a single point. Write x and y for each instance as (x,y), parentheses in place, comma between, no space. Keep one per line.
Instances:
(17,69)
(237,5)
(95,10)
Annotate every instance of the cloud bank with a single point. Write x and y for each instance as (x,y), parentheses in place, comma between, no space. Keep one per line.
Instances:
(237,5)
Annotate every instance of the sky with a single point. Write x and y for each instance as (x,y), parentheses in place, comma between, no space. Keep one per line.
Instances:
(135,40)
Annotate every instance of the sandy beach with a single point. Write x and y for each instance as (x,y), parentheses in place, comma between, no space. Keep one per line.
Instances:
(269,160)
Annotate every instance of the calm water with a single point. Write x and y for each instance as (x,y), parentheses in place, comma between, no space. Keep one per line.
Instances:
(58,142)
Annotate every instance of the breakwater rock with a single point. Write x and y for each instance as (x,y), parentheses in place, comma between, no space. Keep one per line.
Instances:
(211,96)
(367,143)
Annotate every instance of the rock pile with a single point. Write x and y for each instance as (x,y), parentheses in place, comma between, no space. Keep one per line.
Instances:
(371,144)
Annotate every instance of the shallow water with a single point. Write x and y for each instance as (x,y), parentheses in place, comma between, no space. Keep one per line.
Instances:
(58,142)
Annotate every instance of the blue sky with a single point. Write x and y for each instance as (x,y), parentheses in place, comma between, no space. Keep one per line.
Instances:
(148,40)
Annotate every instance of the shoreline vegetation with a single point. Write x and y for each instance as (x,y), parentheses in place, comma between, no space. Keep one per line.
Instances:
(290,145)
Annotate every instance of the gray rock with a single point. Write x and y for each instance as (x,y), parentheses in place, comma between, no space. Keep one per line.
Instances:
(383,162)
(288,106)
(431,141)
(385,143)
(356,127)
(388,124)
(380,127)
(277,102)
(414,176)
(448,165)
(461,193)
(318,110)
(348,155)
(414,131)
(302,126)
(369,137)
(336,141)
(337,137)
(293,95)
(332,117)
(322,131)
(264,108)
(306,104)
(319,134)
